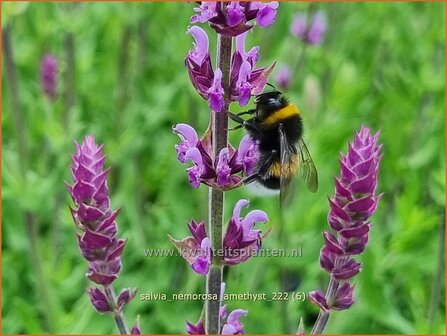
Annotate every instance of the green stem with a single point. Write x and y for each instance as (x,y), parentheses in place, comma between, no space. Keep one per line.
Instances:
(117,314)
(216,197)
(323,316)
(41,282)
(69,77)
(436,287)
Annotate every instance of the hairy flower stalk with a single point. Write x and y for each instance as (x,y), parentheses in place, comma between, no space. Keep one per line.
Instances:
(215,163)
(98,241)
(216,197)
(354,202)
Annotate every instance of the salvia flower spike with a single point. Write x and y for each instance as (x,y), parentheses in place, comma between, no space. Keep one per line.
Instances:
(48,75)
(354,202)
(98,237)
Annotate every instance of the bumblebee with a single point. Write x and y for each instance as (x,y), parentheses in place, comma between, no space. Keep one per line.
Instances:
(277,126)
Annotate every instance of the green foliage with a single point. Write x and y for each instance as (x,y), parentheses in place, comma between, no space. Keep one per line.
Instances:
(381,65)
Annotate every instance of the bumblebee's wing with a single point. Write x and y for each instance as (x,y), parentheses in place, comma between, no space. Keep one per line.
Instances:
(286,153)
(307,167)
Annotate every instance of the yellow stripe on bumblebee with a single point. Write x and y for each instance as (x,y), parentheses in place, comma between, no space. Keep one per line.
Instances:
(284,113)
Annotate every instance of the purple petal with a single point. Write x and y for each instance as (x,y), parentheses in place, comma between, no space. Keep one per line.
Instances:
(83,191)
(267,15)
(234,325)
(317,297)
(195,329)
(99,300)
(343,297)
(235,13)
(248,154)
(94,240)
(242,84)
(223,170)
(189,138)
(354,232)
(250,56)
(126,296)
(216,92)
(253,217)
(195,172)
(332,244)
(361,205)
(228,329)
(283,77)
(298,27)
(317,29)
(201,44)
(207,10)
(238,207)
(201,266)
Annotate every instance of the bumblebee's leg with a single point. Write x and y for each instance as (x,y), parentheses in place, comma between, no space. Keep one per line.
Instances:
(251,111)
(235,127)
(248,124)
(235,118)
(251,126)
(263,169)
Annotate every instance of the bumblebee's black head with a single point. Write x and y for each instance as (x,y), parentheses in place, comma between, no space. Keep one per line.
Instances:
(269,102)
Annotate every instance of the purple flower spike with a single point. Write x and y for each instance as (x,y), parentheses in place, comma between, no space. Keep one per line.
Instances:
(97,239)
(283,77)
(48,75)
(310,33)
(98,242)
(354,202)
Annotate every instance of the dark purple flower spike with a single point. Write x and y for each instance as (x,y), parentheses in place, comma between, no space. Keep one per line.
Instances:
(312,32)
(48,75)
(354,202)
(98,237)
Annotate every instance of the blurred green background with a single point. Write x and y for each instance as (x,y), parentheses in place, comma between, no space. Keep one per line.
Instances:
(122,78)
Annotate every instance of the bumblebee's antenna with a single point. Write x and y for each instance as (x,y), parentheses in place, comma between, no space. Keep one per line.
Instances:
(272,86)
